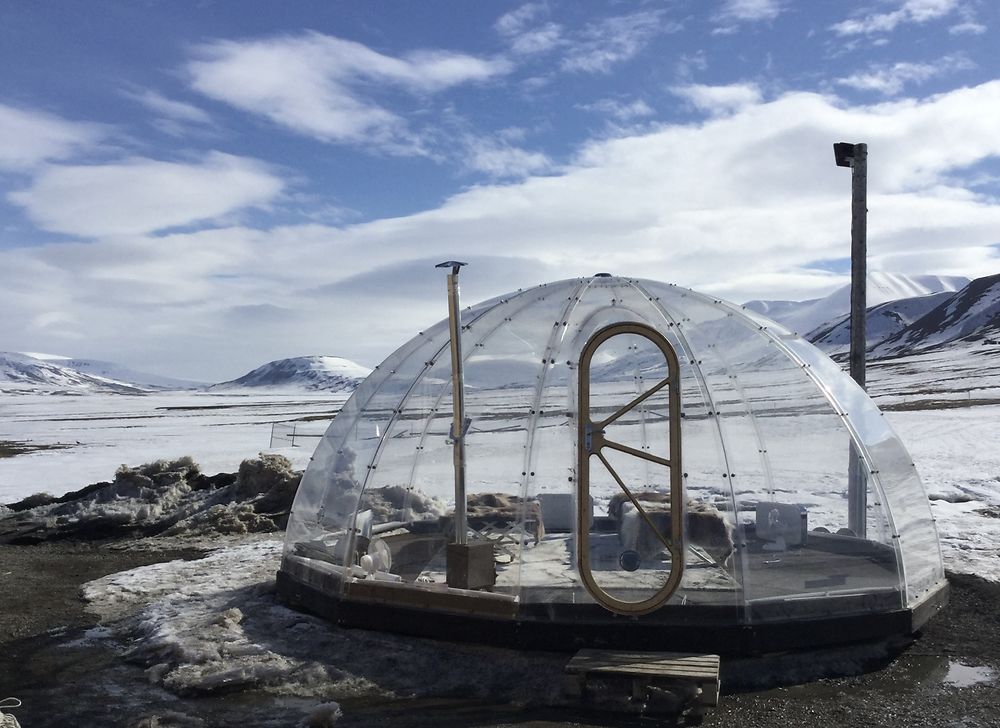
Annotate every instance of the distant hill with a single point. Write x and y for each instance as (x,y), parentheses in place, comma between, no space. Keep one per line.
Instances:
(972,314)
(24,372)
(807,316)
(111,370)
(302,373)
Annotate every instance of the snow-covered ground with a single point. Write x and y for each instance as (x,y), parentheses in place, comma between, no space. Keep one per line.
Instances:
(90,435)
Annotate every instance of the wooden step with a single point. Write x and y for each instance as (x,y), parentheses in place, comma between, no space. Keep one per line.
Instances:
(652,668)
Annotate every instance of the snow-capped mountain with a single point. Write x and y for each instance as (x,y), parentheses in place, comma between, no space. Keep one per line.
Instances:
(882,321)
(303,373)
(23,372)
(111,370)
(807,316)
(972,314)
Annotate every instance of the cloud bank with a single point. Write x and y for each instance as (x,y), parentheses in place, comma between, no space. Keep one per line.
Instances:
(742,203)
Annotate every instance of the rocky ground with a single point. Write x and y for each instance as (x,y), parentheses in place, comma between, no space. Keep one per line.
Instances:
(51,657)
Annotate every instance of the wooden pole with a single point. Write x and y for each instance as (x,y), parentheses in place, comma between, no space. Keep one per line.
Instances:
(458,399)
(859,262)
(855,156)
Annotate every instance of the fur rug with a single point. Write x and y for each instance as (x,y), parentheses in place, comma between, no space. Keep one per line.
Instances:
(704,525)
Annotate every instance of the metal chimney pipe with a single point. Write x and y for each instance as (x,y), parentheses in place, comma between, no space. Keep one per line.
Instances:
(458,426)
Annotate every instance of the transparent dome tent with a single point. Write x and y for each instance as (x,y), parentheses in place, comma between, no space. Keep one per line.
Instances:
(644,467)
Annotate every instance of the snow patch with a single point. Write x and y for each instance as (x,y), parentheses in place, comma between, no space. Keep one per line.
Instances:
(212,625)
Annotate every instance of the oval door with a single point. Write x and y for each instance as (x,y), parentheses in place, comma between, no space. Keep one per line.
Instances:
(629,445)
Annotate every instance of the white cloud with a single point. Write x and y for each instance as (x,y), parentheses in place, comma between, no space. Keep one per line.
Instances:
(734,13)
(609,41)
(967,27)
(316,84)
(176,118)
(170,108)
(620,110)
(29,137)
(908,11)
(526,38)
(595,48)
(497,157)
(750,10)
(542,39)
(516,21)
(890,80)
(688,64)
(143,195)
(719,99)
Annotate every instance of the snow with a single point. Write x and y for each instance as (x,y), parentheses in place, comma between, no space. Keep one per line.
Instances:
(882,287)
(45,357)
(111,370)
(882,321)
(92,435)
(20,372)
(971,314)
(191,637)
(214,624)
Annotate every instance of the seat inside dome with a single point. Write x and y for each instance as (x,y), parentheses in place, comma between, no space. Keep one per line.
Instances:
(797,501)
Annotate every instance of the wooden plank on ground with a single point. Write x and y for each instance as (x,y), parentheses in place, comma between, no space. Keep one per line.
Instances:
(700,670)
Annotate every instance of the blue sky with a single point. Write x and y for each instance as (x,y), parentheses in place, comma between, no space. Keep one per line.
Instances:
(196,188)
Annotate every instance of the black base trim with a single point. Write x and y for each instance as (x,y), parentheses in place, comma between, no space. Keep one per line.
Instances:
(567,628)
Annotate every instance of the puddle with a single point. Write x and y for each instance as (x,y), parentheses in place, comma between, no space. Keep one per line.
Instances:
(963,676)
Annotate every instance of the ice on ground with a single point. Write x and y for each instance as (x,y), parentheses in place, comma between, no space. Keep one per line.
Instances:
(215,624)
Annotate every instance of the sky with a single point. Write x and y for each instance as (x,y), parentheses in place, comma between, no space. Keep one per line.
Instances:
(196,188)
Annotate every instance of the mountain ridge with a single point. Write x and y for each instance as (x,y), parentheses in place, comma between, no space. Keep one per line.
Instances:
(21,372)
(805,317)
(971,314)
(32,371)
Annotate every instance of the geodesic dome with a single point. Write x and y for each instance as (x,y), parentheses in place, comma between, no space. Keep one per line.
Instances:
(645,465)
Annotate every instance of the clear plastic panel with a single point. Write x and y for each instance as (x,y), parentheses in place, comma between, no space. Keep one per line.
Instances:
(892,473)
(805,535)
(327,497)
(323,524)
